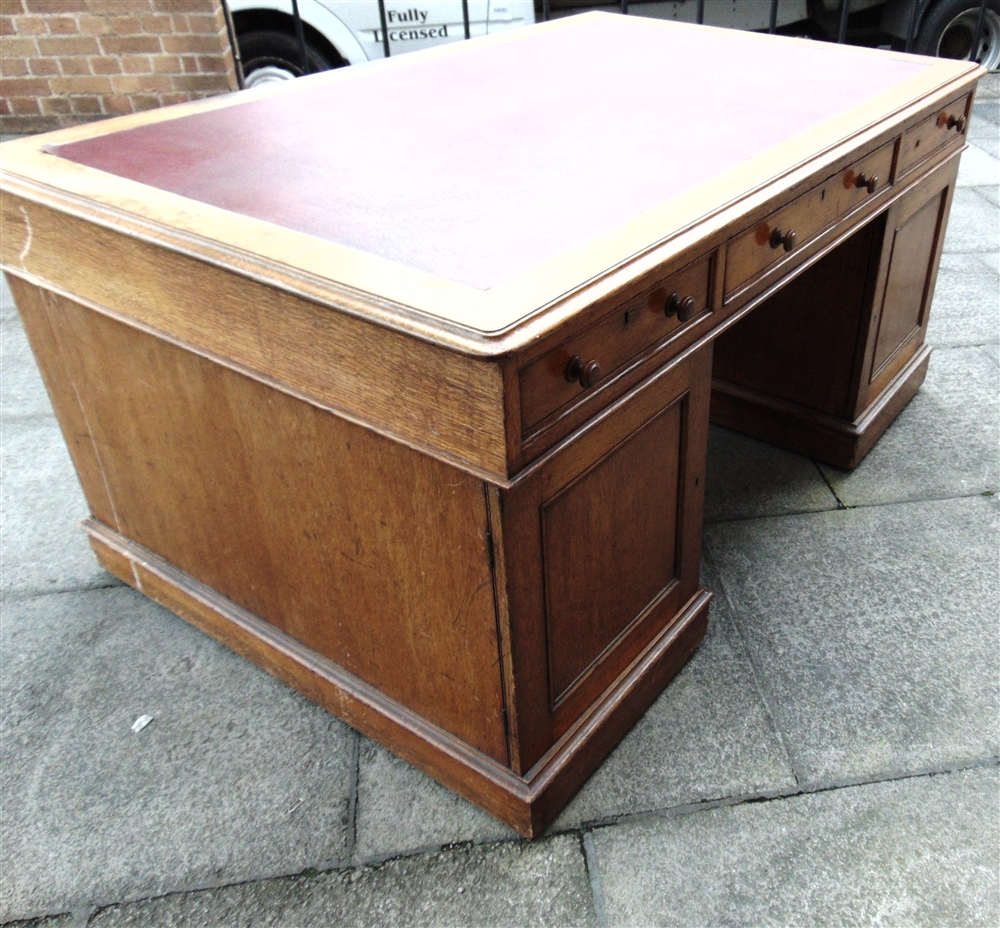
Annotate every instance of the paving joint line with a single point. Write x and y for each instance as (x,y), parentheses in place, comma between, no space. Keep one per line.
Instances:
(755,672)
(583,829)
(773,795)
(591,866)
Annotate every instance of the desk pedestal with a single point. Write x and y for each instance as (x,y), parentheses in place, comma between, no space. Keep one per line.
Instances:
(825,364)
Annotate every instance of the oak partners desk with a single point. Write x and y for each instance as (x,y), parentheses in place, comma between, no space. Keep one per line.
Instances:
(397,379)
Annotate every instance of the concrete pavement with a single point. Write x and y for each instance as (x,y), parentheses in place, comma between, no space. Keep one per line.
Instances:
(829,756)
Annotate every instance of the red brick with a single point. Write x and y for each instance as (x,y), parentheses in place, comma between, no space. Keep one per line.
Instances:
(144,101)
(93,25)
(44,67)
(126,25)
(4,106)
(62,25)
(191,44)
(24,106)
(31,25)
(19,47)
(105,64)
(205,24)
(169,99)
(26,87)
(184,6)
(118,7)
(190,64)
(166,64)
(13,67)
(52,106)
(136,64)
(81,83)
(117,104)
(7,25)
(212,64)
(11,7)
(55,6)
(209,83)
(141,83)
(68,45)
(130,44)
(85,104)
(157,22)
(74,65)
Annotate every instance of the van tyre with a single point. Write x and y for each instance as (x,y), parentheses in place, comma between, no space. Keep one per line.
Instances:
(948,28)
(270,56)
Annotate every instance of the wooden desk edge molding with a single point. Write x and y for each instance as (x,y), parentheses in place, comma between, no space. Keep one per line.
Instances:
(446,477)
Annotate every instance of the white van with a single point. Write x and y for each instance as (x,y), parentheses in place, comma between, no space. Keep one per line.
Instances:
(339,32)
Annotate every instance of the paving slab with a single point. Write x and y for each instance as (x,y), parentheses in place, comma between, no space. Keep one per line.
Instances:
(992,194)
(915,852)
(708,735)
(41,504)
(966,307)
(22,392)
(979,167)
(746,478)
(992,352)
(538,883)
(873,632)
(974,223)
(402,810)
(235,777)
(991,260)
(944,443)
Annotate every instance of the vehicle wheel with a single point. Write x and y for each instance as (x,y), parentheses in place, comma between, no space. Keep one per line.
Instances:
(948,29)
(270,56)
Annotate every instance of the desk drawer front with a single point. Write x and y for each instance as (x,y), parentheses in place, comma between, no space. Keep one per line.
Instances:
(947,125)
(567,373)
(789,228)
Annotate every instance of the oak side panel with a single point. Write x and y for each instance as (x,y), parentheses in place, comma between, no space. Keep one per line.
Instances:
(439,400)
(31,305)
(602,549)
(366,551)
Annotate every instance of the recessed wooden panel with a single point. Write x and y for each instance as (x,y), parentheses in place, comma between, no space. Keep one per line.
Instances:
(370,553)
(609,542)
(914,245)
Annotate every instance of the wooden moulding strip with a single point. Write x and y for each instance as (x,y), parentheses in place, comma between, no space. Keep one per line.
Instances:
(527,804)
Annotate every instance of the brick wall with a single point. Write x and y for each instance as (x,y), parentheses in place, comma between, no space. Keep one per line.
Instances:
(64,62)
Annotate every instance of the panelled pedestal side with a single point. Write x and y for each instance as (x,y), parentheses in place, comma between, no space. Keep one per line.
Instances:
(479,632)
(824,365)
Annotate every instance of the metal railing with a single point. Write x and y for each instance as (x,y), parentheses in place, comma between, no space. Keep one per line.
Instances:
(916,12)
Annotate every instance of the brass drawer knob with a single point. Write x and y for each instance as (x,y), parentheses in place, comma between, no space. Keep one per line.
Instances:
(869,183)
(957,122)
(787,240)
(588,374)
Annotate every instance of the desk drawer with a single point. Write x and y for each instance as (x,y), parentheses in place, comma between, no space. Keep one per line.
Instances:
(580,365)
(789,228)
(923,139)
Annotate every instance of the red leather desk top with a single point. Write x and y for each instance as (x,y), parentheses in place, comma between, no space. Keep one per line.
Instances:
(479,165)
